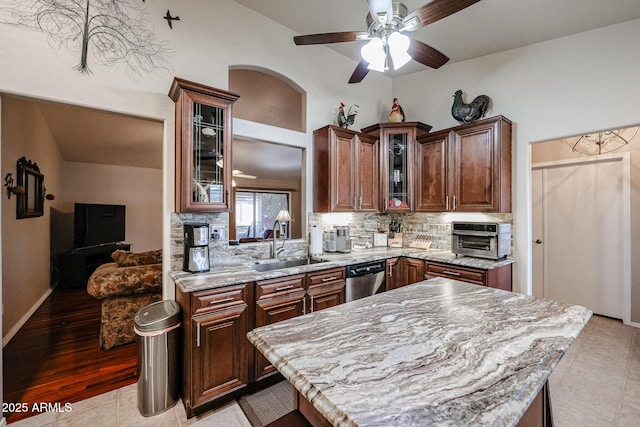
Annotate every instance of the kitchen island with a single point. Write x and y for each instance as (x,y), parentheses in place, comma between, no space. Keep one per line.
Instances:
(438,352)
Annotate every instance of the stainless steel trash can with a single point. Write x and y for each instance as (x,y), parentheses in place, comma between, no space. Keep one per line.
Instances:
(157,328)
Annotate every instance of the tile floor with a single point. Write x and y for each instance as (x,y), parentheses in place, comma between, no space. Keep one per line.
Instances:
(597,384)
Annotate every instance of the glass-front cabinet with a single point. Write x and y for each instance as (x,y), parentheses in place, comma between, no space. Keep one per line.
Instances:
(397,147)
(203,147)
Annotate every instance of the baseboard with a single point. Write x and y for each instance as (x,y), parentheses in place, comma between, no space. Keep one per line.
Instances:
(3,422)
(634,324)
(23,320)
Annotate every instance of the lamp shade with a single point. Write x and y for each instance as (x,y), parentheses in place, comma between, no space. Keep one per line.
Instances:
(283,215)
(373,53)
(398,46)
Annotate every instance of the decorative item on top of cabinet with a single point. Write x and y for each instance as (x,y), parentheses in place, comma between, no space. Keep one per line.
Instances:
(203,147)
(472,111)
(216,354)
(396,114)
(397,145)
(345,171)
(466,168)
(346,120)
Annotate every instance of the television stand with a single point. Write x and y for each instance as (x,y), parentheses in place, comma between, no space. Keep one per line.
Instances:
(75,267)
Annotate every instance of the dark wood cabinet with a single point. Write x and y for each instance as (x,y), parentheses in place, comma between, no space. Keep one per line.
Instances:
(397,145)
(394,276)
(216,353)
(345,171)
(412,271)
(203,147)
(466,168)
(325,289)
(277,299)
(499,278)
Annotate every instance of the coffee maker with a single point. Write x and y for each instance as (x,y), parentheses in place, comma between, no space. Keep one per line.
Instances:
(196,248)
(343,241)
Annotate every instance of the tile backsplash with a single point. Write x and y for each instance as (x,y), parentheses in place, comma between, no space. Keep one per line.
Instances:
(361,228)
(437,226)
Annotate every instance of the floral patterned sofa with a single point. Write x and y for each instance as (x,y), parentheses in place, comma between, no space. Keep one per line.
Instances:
(124,286)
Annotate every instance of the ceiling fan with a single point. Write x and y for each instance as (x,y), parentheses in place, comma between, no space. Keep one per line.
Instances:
(387,21)
(236,172)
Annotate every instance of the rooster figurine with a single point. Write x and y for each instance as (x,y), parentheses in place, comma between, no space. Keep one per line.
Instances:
(468,113)
(344,121)
(396,115)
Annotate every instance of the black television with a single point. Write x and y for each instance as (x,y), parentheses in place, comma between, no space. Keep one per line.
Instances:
(95,224)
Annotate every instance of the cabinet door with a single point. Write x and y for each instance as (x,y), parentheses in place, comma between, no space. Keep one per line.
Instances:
(394,276)
(412,271)
(203,147)
(276,300)
(325,289)
(476,170)
(432,173)
(397,167)
(343,186)
(368,173)
(220,354)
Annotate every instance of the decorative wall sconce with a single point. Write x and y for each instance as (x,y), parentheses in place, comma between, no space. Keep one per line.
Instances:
(48,196)
(11,188)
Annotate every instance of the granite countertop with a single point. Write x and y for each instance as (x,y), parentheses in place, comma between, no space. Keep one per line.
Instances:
(233,274)
(439,352)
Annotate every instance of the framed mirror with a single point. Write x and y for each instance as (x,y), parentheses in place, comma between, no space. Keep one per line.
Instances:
(31,203)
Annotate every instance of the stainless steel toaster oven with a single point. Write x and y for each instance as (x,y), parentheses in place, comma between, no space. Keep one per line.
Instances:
(489,240)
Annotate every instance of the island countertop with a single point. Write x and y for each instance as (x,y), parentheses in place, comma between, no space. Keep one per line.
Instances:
(438,352)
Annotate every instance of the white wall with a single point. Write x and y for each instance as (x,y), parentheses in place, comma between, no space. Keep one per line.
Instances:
(554,89)
(139,189)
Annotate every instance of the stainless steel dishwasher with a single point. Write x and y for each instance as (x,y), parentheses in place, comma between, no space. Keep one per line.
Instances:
(365,279)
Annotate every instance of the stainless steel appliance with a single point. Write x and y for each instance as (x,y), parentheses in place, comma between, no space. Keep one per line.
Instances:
(196,248)
(330,240)
(365,279)
(489,240)
(343,242)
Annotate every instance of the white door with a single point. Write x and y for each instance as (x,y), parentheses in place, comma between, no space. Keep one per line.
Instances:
(581,219)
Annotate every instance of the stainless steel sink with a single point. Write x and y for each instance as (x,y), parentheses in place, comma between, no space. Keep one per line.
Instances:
(273,264)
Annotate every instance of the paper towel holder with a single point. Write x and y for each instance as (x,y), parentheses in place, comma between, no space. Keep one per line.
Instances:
(315,240)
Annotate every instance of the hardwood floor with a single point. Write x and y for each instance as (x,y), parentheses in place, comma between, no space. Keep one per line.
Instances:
(56,356)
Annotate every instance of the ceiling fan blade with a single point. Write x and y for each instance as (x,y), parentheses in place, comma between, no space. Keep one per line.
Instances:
(426,55)
(244,175)
(434,11)
(380,6)
(360,72)
(323,38)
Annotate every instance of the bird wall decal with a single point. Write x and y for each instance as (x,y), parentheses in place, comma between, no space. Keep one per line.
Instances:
(468,113)
(170,19)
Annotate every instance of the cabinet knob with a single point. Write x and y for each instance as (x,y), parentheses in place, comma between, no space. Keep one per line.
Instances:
(538,241)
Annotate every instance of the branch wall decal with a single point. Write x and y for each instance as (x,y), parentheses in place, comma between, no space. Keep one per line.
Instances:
(111,31)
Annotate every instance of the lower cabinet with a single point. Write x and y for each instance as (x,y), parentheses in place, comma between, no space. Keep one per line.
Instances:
(276,300)
(325,289)
(216,353)
(412,271)
(394,276)
(499,278)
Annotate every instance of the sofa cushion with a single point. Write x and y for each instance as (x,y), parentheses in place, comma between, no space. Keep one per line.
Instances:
(109,280)
(128,259)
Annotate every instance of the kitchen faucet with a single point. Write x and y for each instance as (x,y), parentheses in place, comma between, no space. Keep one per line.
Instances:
(283,216)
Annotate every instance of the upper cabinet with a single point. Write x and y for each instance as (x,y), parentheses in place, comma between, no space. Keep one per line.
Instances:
(466,168)
(203,147)
(345,171)
(397,145)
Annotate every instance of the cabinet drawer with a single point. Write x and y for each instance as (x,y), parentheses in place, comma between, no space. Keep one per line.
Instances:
(449,271)
(279,286)
(203,302)
(326,277)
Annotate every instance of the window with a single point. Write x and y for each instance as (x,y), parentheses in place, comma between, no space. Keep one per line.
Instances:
(256,211)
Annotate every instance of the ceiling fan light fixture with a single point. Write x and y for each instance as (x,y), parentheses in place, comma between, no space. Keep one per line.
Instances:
(398,47)
(373,53)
